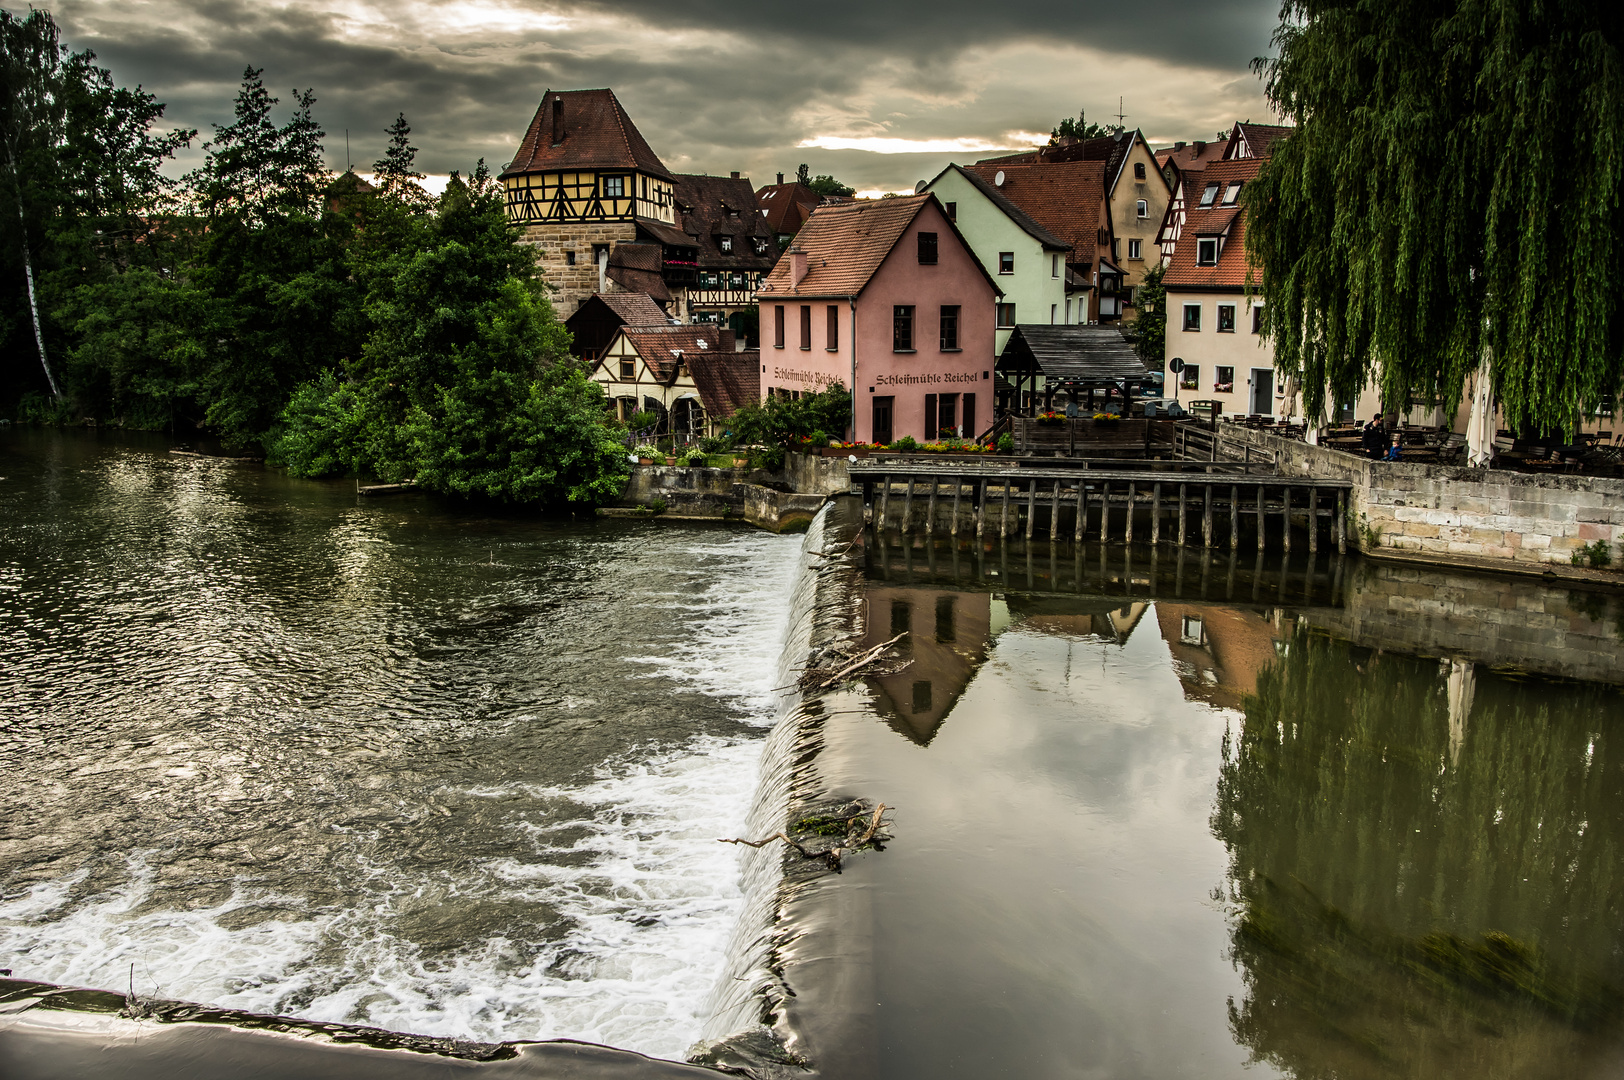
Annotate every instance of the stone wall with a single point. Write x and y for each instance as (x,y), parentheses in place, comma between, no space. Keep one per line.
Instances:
(720,494)
(573,283)
(1447,512)
(814,474)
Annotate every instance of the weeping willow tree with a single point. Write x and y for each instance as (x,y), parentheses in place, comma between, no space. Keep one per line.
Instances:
(1453,186)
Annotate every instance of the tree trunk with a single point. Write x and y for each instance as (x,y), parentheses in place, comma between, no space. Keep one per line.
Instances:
(28,272)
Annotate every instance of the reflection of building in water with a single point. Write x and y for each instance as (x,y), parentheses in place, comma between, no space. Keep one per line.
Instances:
(1218,652)
(1062,617)
(948,634)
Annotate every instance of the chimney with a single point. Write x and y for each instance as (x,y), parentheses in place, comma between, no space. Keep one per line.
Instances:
(797,266)
(735,174)
(558,120)
(780,178)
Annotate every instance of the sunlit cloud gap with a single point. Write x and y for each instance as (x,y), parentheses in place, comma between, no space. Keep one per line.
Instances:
(876,144)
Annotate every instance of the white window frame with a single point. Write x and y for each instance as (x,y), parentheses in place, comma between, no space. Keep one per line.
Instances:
(1185,323)
(1201,243)
(1142,208)
(1054,265)
(1135,250)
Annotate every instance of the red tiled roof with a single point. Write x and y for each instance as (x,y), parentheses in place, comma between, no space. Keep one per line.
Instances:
(637,269)
(635,309)
(787,206)
(1226,222)
(659,345)
(1259,139)
(725,380)
(1191,157)
(715,206)
(1111,149)
(1066,198)
(597,135)
(844,245)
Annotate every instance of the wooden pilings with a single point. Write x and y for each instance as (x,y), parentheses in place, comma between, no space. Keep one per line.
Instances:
(1043,497)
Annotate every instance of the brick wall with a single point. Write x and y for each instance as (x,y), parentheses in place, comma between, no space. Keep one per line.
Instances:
(1444,512)
(573,284)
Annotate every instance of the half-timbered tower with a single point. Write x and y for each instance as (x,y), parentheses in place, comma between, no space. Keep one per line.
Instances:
(583,182)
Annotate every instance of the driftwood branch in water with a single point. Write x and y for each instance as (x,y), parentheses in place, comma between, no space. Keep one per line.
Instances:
(822,678)
(853,841)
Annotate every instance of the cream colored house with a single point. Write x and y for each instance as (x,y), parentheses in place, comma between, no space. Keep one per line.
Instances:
(690,376)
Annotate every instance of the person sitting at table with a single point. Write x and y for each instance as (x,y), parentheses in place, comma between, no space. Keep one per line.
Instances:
(1371,438)
(1394,450)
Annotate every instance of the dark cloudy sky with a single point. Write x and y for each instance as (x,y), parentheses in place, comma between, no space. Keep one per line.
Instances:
(880,93)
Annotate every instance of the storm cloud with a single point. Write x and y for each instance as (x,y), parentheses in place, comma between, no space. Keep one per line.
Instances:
(879,94)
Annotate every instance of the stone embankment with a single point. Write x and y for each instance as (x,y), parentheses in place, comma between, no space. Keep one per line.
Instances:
(780,502)
(1456,516)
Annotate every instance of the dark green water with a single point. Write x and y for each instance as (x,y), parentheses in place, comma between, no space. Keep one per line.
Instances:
(1147,835)
(377,761)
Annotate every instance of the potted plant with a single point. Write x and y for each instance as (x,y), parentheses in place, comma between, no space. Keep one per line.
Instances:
(1051,418)
(646,453)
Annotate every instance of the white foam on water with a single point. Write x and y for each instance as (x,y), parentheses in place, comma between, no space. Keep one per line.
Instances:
(648,896)
(738,632)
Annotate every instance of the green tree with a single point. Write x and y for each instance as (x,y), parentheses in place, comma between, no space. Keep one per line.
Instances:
(395,174)
(1151,326)
(823,184)
(1453,186)
(1079,127)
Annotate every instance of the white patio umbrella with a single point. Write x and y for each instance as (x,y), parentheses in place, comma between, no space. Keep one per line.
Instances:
(1480,421)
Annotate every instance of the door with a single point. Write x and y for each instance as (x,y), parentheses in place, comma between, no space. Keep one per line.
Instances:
(1263,391)
(881,428)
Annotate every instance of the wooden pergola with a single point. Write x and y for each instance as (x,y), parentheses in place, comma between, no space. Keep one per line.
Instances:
(1068,358)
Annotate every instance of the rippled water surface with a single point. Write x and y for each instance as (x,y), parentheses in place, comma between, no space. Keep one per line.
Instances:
(286,750)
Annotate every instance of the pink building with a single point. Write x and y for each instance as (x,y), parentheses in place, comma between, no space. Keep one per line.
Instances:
(885,297)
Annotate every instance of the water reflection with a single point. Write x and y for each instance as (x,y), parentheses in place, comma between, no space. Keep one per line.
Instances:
(1424,867)
(1341,781)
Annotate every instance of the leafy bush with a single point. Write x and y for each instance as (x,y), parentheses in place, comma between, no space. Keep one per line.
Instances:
(1596,555)
(770,458)
(323,431)
(655,506)
(643,421)
(1006,443)
(782,422)
(713,444)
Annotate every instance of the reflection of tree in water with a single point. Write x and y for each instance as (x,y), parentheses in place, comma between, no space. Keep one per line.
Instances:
(1409,907)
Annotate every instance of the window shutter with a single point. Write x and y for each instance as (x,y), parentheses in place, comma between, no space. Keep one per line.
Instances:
(931,418)
(969,417)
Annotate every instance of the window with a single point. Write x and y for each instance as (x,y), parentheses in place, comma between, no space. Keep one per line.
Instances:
(1192,632)
(726,244)
(831,330)
(1257,319)
(569,258)
(1054,266)
(1142,208)
(614,187)
(1206,251)
(806,326)
(1139,172)
(760,244)
(1068,311)
(1190,377)
(1006,316)
(921,696)
(1134,249)
(1226,318)
(628,369)
(1053,311)
(1232,192)
(952,211)
(944,618)
(902,328)
(927,249)
(778,326)
(1209,194)
(1192,317)
(1006,262)
(1224,380)
(950,328)
(645,189)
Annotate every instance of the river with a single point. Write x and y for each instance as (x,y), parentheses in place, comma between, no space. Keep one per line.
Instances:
(1153,814)
(375,761)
